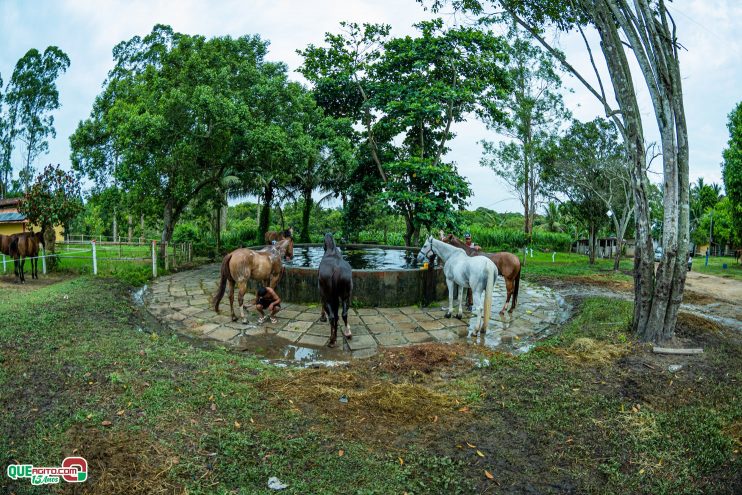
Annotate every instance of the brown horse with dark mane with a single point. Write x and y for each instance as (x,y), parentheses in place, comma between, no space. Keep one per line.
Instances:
(508,265)
(241,265)
(26,245)
(335,287)
(272,235)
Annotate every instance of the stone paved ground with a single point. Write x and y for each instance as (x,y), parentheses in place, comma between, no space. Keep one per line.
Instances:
(181,301)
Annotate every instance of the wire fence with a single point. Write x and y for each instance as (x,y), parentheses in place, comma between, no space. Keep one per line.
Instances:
(90,254)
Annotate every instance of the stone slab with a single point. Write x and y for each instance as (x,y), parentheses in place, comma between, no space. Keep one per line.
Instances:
(313,340)
(391,339)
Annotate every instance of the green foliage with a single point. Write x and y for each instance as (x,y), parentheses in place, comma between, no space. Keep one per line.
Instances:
(532,112)
(406,93)
(53,199)
(31,97)
(732,170)
(509,240)
(723,224)
(175,113)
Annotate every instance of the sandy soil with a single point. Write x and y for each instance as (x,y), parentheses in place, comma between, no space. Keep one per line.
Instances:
(724,289)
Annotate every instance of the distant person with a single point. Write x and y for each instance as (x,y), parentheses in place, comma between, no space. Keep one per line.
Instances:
(469,243)
(268,299)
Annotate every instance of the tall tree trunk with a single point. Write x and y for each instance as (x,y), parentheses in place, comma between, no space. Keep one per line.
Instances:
(308,203)
(416,236)
(409,230)
(131,229)
(168,226)
(265,212)
(223,211)
(141,226)
(218,230)
(591,242)
(115,224)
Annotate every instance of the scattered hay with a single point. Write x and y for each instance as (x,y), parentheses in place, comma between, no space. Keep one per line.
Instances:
(423,358)
(587,351)
(692,325)
(123,462)
(734,431)
(393,403)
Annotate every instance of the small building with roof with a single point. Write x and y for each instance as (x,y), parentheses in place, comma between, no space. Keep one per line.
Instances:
(14,222)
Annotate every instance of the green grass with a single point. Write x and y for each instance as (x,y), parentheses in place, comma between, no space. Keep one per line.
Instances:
(73,352)
(572,264)
(715,266)
(72,356)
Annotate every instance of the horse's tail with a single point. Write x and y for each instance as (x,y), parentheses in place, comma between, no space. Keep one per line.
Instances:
(487,306)
(515,290)
(40,238)
(225,275)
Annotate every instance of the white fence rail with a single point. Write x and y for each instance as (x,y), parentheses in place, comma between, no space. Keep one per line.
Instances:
(106,251)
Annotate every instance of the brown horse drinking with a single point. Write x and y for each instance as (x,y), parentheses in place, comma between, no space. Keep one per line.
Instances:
(508,265)
(241,265)
(26,245)
(272,235)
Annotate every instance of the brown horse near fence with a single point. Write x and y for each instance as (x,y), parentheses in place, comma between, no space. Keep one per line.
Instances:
(508,265)
(26,245)
(241,265)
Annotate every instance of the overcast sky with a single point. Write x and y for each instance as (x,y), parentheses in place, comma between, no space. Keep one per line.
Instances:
(88,30)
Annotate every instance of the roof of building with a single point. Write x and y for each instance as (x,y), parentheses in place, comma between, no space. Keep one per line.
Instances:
(10,202)
(12,217)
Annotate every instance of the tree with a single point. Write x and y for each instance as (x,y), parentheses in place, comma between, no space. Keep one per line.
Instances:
(645,32)
(406,93)
(534,113)
(177,111)
(52,200)
(31,97)
(553,218)
(732,169)
(593,159)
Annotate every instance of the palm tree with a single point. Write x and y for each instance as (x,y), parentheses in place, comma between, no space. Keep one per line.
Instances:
(553,218)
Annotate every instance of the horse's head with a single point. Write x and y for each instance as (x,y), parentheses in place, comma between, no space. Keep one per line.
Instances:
(329,243)
(426,252)
(285,248)
(290,249)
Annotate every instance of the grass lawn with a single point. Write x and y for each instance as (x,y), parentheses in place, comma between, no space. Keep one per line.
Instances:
(587,411)
(715,266)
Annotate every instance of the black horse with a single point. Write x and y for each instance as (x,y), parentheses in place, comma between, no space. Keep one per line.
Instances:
(335,286)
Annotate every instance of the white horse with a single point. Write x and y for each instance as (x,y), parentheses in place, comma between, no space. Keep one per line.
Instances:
(475,272)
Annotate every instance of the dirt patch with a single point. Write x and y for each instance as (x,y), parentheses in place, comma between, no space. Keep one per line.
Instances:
(8,280)
(694,297)
(424,358)
(123,462)
(588,351)
(346,395)
(718,288)
(620,285)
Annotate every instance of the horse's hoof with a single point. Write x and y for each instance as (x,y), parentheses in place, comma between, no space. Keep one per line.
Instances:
(323,318)
(348,335)
(502,312)
(244,321)
(459,316)
(511,310)
(448,315)
(331,344)
(234,318)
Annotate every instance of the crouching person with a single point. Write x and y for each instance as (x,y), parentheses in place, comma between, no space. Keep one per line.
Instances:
(267,299)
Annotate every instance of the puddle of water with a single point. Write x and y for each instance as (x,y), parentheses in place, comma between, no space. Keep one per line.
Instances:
(282,352)
(138,295)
